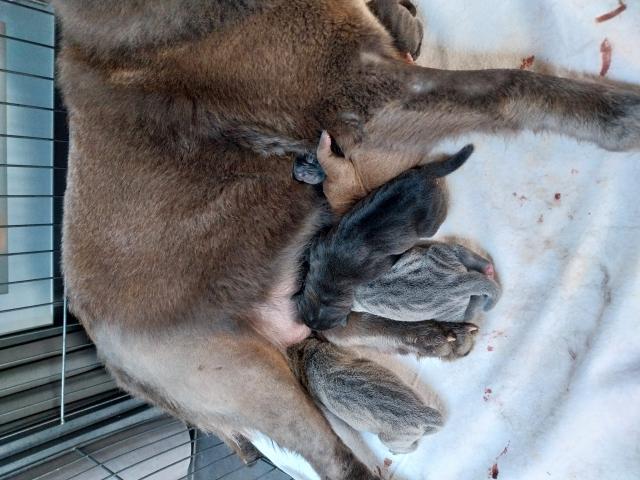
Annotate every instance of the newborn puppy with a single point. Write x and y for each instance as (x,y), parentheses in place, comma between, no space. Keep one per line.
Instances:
(435,281)
(370,238)
(342,184)
(363,394)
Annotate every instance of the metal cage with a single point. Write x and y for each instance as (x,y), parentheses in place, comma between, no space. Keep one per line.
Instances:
(61,415)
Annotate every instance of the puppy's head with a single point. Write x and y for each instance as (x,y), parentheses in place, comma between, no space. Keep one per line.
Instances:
(322,314)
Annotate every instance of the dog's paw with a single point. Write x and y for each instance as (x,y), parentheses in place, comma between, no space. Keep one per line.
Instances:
(619,122)
(399,17)
(446,340)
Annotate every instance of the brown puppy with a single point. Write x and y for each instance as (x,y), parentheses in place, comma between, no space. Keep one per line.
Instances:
(183,227)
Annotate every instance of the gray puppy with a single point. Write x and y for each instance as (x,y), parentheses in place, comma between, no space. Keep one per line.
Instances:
(363,394)
(436,281)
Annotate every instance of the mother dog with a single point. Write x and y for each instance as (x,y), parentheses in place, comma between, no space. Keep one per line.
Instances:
(183,227)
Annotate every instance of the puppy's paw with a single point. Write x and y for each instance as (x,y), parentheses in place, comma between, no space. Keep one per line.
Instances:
(460,338)
(446,340)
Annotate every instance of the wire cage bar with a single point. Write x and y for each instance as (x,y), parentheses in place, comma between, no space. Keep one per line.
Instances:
(62,416)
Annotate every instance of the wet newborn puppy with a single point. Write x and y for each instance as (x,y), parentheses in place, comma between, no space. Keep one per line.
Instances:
(371,237)
(434,281)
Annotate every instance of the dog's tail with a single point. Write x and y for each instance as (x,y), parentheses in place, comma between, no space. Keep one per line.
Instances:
(442,168)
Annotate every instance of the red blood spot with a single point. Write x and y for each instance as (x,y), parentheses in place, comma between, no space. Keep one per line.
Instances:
(613,13)
(493,471)
(490,348)
(605,50)
(527,62)
(387,462)
(557,196)
(487,394)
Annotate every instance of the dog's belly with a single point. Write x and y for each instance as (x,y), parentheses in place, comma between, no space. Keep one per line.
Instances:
(277,317)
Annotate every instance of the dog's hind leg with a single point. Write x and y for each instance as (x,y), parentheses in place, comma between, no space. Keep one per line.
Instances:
(237,385)
(363,394)
(415,107)
(275,404)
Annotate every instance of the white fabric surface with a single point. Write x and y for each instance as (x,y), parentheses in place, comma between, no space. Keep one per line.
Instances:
(561,352)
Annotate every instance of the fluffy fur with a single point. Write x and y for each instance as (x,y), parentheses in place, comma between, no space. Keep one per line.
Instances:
(183,228)
(437,281)
(370,238)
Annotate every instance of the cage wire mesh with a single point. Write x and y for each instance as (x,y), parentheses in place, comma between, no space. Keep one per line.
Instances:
(61,415)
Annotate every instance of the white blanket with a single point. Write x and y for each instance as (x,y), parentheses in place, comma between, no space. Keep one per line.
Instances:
(552,389)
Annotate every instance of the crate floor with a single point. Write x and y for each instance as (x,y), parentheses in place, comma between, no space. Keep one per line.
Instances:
(161,449)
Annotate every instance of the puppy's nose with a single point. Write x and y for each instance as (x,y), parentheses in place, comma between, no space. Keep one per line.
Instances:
(489,271)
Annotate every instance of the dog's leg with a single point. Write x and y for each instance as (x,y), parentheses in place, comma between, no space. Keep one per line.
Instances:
(283,411)
(446,340)
(427,104)
(402,111)
(236,385)
(399,17)
(363,394)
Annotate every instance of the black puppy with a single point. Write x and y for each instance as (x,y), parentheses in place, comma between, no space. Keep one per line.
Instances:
(368,239)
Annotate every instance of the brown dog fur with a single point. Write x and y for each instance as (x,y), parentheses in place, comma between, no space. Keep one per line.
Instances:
(181,239)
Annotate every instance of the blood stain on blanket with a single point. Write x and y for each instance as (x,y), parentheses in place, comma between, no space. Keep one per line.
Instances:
(387,462)
(493,470)
(527,62)
(495,334)
(613,13)
(557,196)
(489,348)
(521,198)
(605,51)
(487,394)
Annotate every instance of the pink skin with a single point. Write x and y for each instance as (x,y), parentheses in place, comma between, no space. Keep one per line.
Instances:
(489,271)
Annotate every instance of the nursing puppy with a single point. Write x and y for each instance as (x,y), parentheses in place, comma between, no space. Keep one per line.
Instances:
(341,381)
(433,282)
(183,228)
(371,237)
